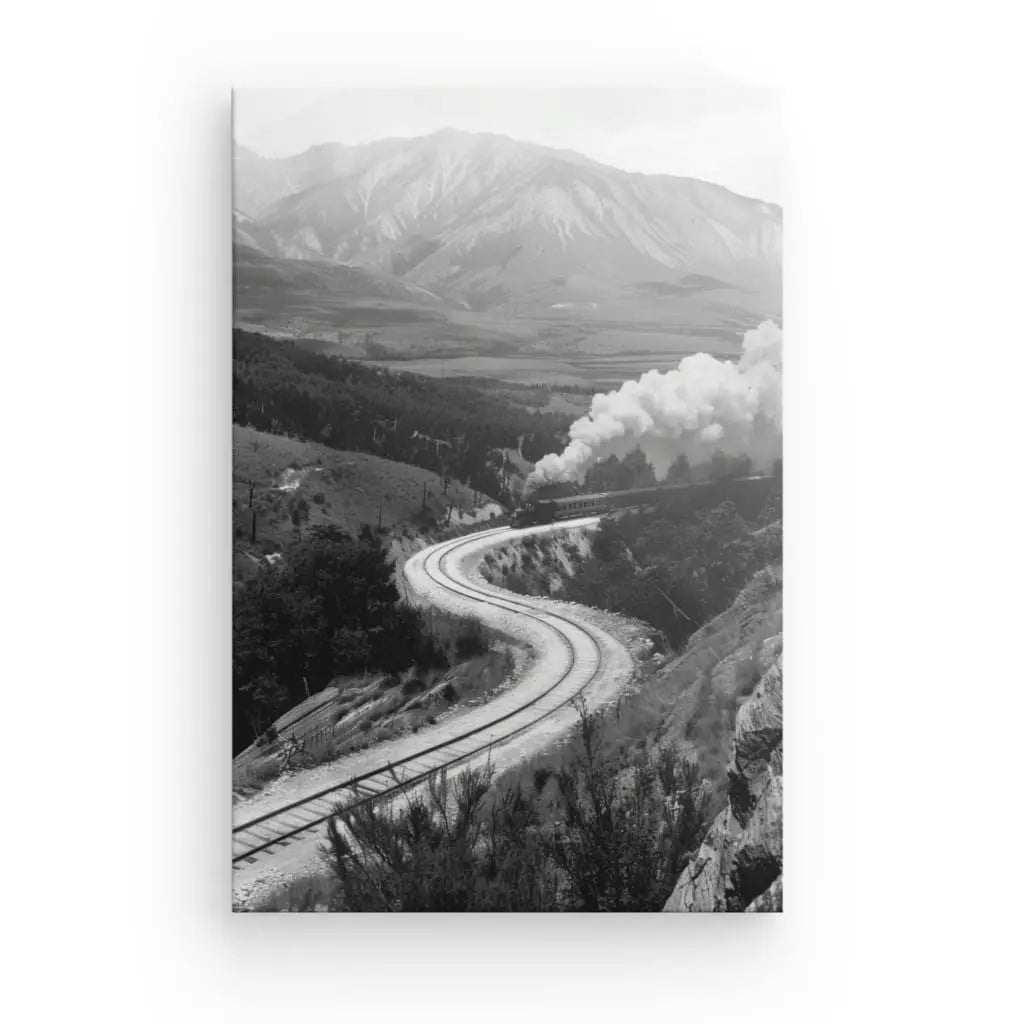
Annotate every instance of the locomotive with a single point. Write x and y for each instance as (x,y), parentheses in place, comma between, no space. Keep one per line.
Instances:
(549,510)
(541,511)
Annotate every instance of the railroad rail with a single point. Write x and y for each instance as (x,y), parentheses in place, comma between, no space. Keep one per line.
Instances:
(278,827)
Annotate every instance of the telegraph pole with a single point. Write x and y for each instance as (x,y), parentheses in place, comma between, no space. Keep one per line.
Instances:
(252,511)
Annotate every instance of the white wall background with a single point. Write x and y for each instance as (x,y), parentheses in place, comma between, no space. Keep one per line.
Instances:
(903,227)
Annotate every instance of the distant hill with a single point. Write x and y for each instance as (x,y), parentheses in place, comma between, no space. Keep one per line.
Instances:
(489,223)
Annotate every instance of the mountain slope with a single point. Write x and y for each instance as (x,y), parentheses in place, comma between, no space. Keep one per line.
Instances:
(489,222)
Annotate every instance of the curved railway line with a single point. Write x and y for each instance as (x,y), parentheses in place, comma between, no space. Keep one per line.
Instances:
(278,827)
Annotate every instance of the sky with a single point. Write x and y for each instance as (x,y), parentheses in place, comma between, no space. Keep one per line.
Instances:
(714,128)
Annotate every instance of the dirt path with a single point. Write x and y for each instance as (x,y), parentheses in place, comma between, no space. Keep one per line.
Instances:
(570,652)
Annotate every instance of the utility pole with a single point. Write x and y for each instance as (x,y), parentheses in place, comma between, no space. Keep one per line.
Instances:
(252,511)
(424,508)
(380,512)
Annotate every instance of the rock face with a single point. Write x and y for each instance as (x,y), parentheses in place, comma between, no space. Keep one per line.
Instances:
(739,865)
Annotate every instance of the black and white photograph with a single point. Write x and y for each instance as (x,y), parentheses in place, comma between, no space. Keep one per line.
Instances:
(507,500)
(400,480)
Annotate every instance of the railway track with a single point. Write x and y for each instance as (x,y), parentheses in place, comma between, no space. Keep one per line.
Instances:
(581,664)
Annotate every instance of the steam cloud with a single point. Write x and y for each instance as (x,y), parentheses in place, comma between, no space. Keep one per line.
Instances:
(704,406)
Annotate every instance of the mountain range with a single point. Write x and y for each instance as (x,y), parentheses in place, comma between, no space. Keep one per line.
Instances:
(486,224)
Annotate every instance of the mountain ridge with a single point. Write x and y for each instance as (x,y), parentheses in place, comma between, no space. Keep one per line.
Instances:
(490,222)
(319,151)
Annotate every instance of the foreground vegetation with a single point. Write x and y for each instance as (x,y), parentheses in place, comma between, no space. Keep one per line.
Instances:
(596,834)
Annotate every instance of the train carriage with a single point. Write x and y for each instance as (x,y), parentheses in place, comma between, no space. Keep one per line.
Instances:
(541,511)
(578,506)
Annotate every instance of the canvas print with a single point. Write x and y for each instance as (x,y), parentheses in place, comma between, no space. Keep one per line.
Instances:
(507,500)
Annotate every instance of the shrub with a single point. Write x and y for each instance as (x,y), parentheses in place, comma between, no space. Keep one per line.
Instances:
(471,640)
(411,686)
(464,846)
(449,693)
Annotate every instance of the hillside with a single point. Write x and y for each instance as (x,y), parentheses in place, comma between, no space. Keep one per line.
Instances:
(519,230)
(336,488)
(459,428)
(739,864)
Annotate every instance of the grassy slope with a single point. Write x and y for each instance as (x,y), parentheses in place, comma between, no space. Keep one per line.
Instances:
(352,486)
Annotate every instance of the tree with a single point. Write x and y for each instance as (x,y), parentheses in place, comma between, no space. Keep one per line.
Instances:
(298,512)
(330,607)
(624,843)
(267,698)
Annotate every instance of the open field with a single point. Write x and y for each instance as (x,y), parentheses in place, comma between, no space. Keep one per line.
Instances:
(353,314)
(569,371)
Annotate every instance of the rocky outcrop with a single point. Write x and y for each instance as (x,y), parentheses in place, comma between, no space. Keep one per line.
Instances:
(739,865)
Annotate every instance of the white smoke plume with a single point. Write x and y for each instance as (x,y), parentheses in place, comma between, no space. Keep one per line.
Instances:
(704,406)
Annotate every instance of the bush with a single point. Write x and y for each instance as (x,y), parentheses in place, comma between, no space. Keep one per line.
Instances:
(412,686)
(471,641)
(464,846)
(449,693)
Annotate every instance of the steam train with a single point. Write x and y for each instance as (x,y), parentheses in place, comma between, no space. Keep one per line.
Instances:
(541,511)
(550,510)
